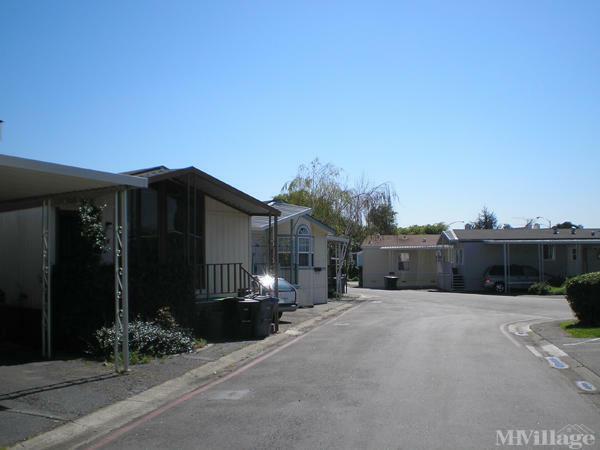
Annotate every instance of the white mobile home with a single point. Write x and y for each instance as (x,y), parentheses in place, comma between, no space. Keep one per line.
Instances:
(412,259)
(302,250)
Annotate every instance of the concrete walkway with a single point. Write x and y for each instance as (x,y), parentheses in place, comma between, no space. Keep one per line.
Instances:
(38,396)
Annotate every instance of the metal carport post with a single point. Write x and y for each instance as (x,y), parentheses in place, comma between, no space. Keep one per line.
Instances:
(506,248)
(120,250)
(47,256)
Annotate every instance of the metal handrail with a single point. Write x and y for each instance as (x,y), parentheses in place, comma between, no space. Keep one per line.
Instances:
(224,278)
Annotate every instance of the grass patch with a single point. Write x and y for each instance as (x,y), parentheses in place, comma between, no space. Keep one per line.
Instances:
(560,290)
(575,330)
(199,343)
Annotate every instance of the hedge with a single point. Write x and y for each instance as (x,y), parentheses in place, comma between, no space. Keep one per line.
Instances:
(583,295)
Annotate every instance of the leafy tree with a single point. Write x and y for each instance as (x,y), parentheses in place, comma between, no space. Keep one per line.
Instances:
(381,219)
(430,228)
(567,225)
(344,207)
(486,220)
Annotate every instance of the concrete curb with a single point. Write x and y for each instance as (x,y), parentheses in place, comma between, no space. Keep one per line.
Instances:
(545,340)
(86,429)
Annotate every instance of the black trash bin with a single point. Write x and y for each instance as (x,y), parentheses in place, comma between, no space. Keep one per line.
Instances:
(210,322)
(391,282)
(231,317)
(266,315)
(247,311)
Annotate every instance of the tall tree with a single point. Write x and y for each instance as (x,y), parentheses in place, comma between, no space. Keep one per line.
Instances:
(381,219)
(486,220)
(344,207)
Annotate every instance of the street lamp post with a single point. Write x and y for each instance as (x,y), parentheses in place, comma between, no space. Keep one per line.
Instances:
(549,223)
(451,223)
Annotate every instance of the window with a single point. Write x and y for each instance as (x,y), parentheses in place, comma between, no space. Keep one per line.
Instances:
(284,245)
(574,254)
(459,256)
(404,262)
(549,252)
(305,247)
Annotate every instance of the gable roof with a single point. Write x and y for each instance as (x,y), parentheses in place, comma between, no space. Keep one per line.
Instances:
(391,241)
(288,212)
(211,186)
(525,234)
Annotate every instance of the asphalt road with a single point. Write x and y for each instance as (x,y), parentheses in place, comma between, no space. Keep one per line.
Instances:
(406,369)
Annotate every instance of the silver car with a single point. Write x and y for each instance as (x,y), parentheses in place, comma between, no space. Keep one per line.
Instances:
(521,277)
(287,293)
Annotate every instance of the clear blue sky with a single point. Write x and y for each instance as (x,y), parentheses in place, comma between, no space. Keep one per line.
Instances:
(458,104)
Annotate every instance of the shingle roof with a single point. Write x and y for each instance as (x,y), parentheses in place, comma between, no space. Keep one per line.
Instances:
(394,240)
(288,211)
(527,234)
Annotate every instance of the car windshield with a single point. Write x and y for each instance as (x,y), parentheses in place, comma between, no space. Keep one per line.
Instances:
(496,270)
(285,286)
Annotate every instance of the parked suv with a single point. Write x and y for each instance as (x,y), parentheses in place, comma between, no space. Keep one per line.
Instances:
(287,293)
(521,277)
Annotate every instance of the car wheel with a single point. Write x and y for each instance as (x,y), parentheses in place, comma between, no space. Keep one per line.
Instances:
(500,288)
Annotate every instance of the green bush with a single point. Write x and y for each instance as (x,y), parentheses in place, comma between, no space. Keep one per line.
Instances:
(145,338)
(583,295)
(541,288)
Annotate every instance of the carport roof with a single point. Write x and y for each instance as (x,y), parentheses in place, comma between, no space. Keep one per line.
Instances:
(531,235)
(28,182)
(393,241)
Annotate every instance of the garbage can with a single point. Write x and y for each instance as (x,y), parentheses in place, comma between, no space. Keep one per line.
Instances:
(266,314)
(210,321)
(247,311)
(391,282)
(231,317)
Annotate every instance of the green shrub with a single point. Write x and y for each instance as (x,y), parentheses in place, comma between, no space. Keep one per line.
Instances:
(145,338)
(583,295)
(541,288)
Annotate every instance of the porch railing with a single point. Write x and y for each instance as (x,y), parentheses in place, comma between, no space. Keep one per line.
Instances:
(213,280)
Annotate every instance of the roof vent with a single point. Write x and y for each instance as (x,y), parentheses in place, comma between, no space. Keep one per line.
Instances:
(405,237)
(424,240)
(468,226)
(573,230)
(593,233)
(556,231)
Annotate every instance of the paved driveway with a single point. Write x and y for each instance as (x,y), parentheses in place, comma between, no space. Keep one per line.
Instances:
(404,369)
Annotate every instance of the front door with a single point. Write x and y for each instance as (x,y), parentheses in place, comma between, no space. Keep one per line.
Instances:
(573,258)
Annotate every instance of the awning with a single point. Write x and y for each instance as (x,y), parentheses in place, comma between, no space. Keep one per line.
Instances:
(26,182)
(415,247)
(543,241)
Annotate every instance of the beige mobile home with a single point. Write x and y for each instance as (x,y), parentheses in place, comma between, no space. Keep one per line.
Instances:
(413,259)
(302,250)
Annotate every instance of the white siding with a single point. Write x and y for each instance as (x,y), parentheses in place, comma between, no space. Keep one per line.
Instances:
(227,234)
(312,284)
(378,263)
